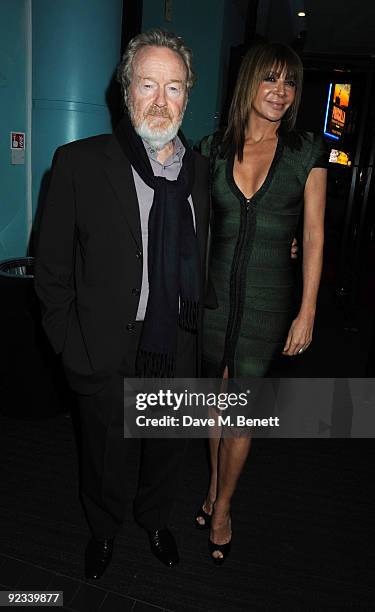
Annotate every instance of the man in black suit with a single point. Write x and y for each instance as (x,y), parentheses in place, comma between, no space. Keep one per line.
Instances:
(120,273)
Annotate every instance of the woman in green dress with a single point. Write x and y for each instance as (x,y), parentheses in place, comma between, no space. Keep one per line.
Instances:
(264,174)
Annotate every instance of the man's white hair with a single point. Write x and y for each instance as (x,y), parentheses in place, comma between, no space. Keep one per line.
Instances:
(153,38)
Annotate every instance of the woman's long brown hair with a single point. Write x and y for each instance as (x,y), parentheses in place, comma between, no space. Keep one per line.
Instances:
(257,64)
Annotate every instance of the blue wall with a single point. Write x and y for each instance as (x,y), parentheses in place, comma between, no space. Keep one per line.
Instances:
(76,47)
(13,230)
(209,28)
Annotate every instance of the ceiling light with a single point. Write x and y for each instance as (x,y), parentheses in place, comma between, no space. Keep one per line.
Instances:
(301,14)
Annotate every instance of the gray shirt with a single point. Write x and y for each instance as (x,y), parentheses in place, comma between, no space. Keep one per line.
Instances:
(170,170)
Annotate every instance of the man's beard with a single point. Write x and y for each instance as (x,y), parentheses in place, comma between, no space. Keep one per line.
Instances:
(157,138)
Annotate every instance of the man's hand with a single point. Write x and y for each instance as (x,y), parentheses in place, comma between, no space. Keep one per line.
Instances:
(294,249)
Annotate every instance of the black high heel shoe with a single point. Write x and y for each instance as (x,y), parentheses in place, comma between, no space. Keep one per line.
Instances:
(224,549)
(207,519)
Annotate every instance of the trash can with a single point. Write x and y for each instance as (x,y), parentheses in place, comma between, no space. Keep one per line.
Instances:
(32,382)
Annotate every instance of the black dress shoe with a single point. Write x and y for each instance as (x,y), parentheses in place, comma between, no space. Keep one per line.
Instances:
(97,557)
(163,546)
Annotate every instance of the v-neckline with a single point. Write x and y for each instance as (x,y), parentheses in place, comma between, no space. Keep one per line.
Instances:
(257,194)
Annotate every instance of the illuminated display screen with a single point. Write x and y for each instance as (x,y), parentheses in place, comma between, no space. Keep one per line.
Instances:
(339,157)
(336,111)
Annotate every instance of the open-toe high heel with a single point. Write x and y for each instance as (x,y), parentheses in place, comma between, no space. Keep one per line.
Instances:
(207,519)
(224,549)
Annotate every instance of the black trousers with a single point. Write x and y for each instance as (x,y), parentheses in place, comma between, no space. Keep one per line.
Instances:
(104,452)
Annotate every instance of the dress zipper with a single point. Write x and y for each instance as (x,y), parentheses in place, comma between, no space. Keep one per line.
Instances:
(236,285)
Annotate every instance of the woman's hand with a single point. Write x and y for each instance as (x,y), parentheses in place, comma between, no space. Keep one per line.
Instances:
(300,335)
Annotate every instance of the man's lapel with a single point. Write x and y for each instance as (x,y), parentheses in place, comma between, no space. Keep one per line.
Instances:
(120,175)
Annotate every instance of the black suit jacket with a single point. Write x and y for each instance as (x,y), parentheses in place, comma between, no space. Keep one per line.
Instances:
(88,269)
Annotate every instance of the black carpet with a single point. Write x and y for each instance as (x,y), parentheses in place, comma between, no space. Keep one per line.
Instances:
(302,521)
(303,513)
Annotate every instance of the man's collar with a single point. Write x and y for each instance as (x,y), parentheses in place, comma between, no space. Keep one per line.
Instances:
(178,149)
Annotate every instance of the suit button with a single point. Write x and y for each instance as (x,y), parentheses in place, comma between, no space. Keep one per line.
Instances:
(139,255)
(135,292)
(130,326)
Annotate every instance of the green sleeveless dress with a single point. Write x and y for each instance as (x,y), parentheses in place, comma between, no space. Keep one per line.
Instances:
(250,266)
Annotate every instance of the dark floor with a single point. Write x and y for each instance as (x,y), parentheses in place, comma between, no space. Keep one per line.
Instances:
(302,523)
(302,514)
